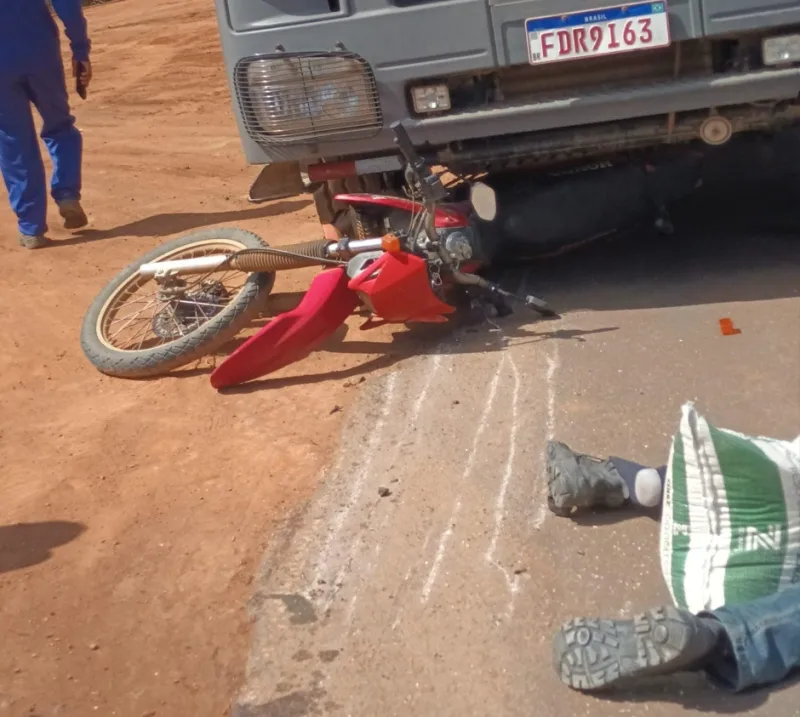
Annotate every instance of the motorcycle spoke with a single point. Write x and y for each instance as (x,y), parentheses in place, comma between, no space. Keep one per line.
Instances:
(143,332)
(196,305)
(117,318)
(197,284)
(176,322)
(147,313)
(130,320)
(188,302)
(145,297)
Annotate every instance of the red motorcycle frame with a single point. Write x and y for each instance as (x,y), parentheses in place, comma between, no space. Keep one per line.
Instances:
(396,287)
(405,272)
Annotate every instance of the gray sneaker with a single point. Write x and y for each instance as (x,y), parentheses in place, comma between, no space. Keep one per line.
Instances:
(578,481)
(72,213)
(33,242)
(595,654)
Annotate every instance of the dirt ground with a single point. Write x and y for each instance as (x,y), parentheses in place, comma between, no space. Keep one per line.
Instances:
(135,513)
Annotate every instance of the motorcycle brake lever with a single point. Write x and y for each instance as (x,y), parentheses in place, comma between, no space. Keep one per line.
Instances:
(540,306)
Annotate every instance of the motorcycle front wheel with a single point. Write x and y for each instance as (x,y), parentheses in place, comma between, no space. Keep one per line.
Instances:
(139,328)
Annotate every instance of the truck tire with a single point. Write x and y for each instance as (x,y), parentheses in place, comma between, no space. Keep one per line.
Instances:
(345,218)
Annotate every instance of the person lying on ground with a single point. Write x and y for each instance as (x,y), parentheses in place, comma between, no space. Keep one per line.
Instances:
(576,481)
(738,647)
(739,642)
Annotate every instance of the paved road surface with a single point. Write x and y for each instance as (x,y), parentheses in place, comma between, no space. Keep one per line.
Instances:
(441,598)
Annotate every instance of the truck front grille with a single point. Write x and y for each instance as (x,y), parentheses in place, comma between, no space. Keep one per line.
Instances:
(301,98)
(528,83)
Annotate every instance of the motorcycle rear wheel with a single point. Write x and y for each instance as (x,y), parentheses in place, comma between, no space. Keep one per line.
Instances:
(166,333)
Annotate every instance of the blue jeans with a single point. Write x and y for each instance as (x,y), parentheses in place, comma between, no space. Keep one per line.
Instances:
(20,158)
(764,641)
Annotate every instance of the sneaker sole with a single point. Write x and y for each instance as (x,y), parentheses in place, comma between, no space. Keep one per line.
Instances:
(34,243)
(594,654)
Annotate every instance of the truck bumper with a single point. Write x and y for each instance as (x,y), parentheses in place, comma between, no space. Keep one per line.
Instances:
(662,98)
(684,95)
(437,134)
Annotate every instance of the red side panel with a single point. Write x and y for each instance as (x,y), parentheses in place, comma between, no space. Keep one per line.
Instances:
(445,217)
(293,335)
(399,290)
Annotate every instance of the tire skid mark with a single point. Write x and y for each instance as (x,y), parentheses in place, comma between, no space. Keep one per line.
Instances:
(431,366)
(512,581)
(444,539)
(553,363)
(339,519)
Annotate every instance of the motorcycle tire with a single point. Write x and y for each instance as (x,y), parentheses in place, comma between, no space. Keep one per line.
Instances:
(243,307)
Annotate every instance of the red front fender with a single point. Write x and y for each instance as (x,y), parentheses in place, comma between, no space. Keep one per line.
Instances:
(293,335)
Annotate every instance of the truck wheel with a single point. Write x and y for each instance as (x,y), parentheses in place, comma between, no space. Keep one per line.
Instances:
(345,218)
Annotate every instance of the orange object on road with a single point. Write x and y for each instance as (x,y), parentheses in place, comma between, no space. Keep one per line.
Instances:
(727,328)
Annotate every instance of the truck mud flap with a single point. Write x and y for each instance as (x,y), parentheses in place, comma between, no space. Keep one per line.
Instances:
(277,181)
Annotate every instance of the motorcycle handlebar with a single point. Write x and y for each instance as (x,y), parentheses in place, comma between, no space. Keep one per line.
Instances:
(405,145)
(429,184)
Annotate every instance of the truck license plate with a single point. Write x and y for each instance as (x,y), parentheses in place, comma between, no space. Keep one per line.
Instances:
(592,33)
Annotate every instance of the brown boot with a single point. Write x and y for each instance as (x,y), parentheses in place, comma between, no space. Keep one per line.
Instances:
(72,213)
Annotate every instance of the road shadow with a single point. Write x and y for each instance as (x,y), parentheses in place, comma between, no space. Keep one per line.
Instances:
(162,225)
(470,338)
(612,516)
(463,336)
(376,364)
(695,693)
(26,544)
(718,254)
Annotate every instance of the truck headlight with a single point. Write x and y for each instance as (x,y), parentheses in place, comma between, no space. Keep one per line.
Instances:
(781,50)
(430,98)
(299,98)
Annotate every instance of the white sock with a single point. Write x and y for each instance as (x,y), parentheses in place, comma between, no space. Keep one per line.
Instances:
(647,487)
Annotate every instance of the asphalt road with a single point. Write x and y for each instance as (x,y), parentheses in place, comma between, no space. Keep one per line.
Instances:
(440,598)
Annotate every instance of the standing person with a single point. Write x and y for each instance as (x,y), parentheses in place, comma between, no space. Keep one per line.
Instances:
(32,73)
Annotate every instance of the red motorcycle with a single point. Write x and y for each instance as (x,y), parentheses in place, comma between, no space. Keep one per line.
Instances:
(192,295)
